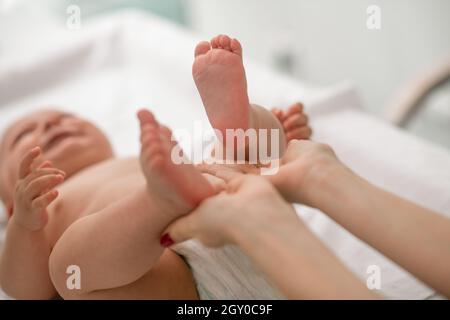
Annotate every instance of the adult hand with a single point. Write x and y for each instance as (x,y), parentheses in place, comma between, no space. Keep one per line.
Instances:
(248,202)
(303,167)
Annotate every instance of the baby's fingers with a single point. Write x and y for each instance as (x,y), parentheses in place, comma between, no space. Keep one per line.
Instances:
(42,202)
(46,164)
(27,161)
(42,184)
(40,173)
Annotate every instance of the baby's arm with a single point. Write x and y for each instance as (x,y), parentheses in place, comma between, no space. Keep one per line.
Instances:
(24,264)
(24,261)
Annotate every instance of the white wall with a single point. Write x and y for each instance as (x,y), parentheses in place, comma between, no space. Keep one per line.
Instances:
(329,40)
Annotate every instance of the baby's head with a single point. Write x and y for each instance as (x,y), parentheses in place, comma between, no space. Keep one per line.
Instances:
(69,142)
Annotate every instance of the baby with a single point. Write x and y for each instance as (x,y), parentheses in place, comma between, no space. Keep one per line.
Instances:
(106,218)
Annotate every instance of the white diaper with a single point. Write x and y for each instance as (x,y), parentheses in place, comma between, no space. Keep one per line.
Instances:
(225,273)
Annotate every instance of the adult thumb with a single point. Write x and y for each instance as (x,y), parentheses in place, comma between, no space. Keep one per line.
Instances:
(179,230)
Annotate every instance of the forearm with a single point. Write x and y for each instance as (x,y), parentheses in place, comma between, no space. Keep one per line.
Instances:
(414,237)
(297,262)
(113,247)
(24,272)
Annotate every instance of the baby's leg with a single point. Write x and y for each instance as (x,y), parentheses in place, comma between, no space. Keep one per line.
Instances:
(119,245)
(219,74)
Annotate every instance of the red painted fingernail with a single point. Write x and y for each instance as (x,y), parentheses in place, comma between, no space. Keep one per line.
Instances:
(166,240)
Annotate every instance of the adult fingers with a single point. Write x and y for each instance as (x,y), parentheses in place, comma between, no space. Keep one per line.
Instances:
(180,230)
(228,175)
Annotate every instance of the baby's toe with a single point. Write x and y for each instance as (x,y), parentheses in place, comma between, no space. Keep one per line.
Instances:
(202,48)
(295,108)
(166,132)
(215,42)
(301,133)
(236,47)
(225,42)
(146,117)
(278,114)
(294,121)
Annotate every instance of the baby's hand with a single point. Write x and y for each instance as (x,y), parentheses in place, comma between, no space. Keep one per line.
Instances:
(34,191)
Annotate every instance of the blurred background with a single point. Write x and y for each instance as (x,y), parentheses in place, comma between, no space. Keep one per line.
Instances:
(401,70)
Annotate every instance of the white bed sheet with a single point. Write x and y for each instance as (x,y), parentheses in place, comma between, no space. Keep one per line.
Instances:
(124,61)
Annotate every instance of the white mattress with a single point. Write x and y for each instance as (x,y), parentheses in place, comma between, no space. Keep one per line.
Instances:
(125,61)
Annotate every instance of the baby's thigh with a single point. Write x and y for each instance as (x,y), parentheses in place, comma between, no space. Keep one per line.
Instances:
(170,278)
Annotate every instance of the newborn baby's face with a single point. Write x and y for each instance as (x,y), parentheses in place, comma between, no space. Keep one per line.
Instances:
(71,143)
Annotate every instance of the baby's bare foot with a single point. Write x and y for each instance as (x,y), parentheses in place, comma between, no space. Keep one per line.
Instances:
(220,78)
(180,187)
(294,121)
